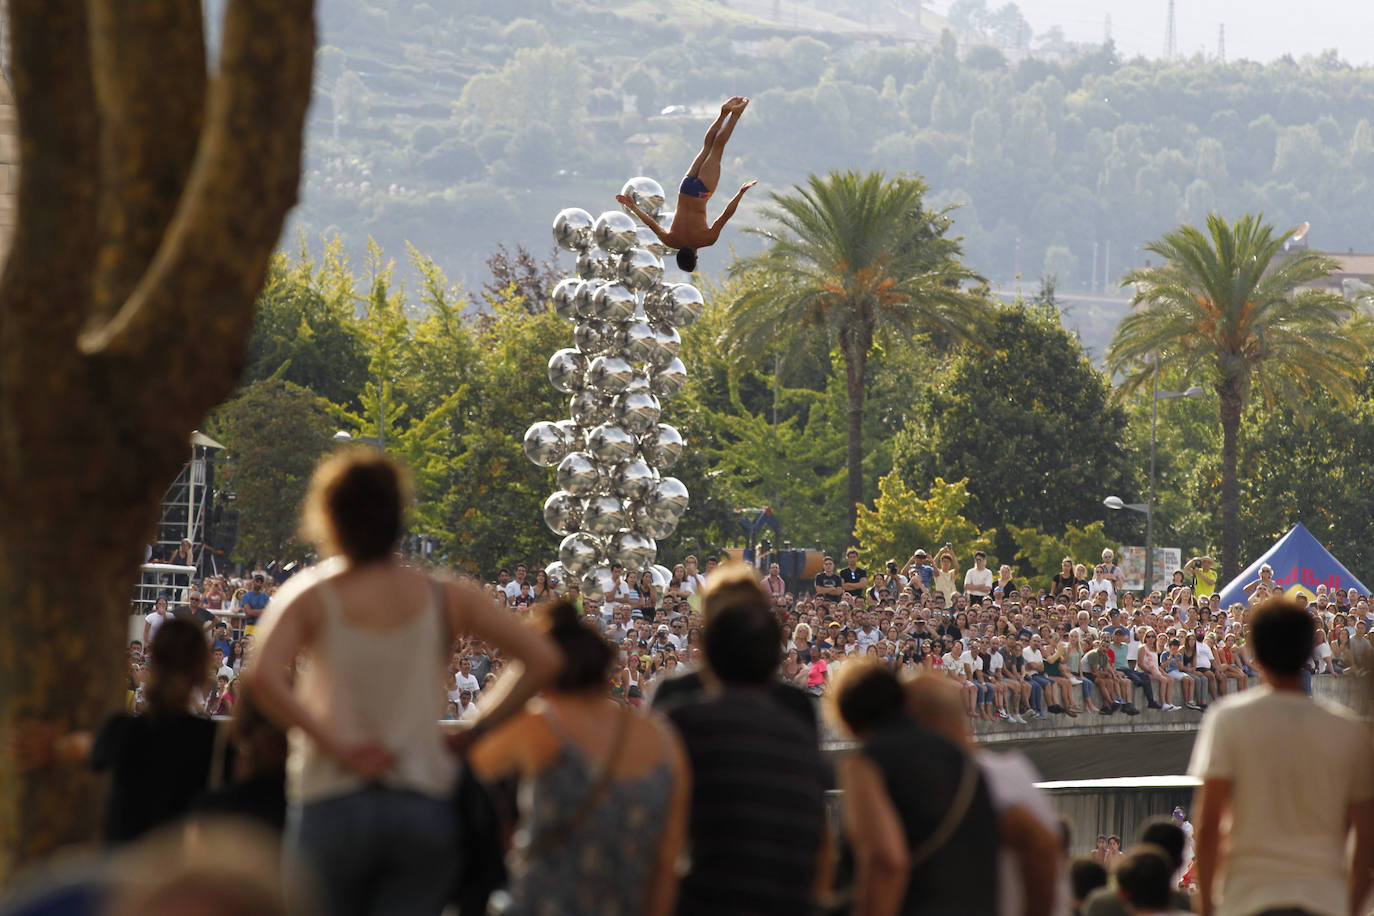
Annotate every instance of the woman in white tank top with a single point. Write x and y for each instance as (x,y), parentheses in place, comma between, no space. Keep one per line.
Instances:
(369,776)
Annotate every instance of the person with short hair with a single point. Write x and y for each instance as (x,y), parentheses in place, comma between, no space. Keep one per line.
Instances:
(1256,751)
(1143,883)
(917,811)
(757,840)
(689,230)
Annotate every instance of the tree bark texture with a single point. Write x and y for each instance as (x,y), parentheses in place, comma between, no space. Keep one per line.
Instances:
(1231,407)
(149,202)
(855,342)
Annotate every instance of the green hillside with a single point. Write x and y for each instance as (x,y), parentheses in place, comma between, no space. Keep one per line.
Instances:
(460,125)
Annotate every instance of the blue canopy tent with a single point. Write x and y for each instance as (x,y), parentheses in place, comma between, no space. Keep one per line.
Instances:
(1300,563)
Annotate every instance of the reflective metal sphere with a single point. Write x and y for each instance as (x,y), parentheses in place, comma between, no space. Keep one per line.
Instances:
(593,337)
(614,232)
(563,295)
(663,448)
(584,299)
(658,304)
(567,369)
(579,552)
(687,305)
(604,515)
(646,193)
(635,551)
(640,270)
(645,238)
(634,479)
(609,375)
(655,526)
(637,411)
(575,433)
(597,583)
(668,499)
(563,513)
(610,444)
(669,380)
(588,409)
(590,265)
(572,229)
(577,474)
(636,341)
(667,345)
(545,444)
(613,303)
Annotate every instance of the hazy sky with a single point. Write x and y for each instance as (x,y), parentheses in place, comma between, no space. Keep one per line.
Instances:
(1256,29)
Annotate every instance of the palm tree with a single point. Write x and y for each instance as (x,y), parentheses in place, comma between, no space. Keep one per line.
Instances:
(1228,307)
(854,258)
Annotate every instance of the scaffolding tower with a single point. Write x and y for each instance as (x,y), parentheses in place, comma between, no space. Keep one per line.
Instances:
(186,506)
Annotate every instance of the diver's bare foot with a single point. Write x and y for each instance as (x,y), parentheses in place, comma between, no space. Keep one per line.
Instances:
(734,104)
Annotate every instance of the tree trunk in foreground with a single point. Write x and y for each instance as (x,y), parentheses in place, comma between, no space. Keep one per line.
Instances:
(149,202)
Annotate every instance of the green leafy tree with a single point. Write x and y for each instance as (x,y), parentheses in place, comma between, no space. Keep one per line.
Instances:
(854,258)
(304,330)
(1040,554)
(901,520)
(1027,420)
(1230,307)
(275,431)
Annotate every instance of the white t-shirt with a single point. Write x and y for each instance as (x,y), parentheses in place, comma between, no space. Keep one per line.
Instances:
(969,663)
(155,622)
(466,712)
(1288,832)
(512,589)
(1204,656)
(995,663)
(1034,655)
(1011,779)
(693,583)
(1103,585)
(466,682)
(978,581)
(865,637)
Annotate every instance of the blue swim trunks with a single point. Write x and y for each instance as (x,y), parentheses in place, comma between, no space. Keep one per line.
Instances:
(693,186)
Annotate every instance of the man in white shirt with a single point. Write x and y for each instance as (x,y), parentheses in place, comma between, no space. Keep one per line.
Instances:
(512,588)
(978,580)
(868,634)
(464,678)
(466,708)
(1286,832)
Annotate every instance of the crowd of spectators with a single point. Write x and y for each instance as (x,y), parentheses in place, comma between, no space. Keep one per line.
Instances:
(1017,650)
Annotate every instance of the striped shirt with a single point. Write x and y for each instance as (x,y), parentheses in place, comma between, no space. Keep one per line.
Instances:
(757,814)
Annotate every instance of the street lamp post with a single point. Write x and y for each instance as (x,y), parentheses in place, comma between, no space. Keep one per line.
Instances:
(1148,507)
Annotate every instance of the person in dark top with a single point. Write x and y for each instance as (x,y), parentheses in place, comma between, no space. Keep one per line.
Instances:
(829,585)
(757,829)
(257,789)
(917,813)
(159,762)
(854,578)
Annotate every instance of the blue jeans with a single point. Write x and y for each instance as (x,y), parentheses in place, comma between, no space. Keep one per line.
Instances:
(1038,684)
(379,851)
